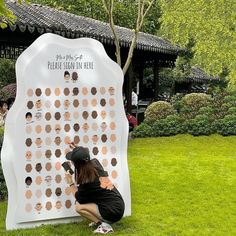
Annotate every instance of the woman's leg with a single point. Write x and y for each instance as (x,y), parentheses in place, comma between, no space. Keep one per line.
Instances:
(89,211)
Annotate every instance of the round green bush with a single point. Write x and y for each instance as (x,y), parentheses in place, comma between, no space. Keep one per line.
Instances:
(191,104)
(232,111)
(171,125)
(200,125)
(158,110)
(206,111)
(231,99)
(225,126)
(196,100)
(142,130)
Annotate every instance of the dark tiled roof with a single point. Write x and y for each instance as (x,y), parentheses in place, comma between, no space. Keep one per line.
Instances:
(35,17)
(199,75)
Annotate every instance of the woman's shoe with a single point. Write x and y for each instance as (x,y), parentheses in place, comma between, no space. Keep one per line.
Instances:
(103,228)
(92,224)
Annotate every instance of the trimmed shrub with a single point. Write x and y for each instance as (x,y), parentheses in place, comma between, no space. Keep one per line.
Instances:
(226,126)
(220,106)
(175,101)
(232,111)
(171,125)
(143,130)
(209,111)
(191,104)
(200,125)
(158,110)
(231,99)
(196,100)
(199,114)
(221,111)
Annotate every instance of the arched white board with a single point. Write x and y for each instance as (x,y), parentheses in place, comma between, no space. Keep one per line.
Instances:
(67,90)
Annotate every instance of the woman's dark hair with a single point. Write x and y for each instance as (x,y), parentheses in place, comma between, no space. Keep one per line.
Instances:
(85,173)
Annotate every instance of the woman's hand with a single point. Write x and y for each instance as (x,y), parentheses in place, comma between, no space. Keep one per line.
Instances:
(68,178)
(72,145)
(106,183)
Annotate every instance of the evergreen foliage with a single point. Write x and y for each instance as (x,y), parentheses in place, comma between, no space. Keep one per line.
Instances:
(211,25)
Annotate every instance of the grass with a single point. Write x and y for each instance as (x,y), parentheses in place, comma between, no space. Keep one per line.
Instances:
(181,185)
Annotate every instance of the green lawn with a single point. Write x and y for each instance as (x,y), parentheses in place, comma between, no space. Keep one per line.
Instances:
(181,185)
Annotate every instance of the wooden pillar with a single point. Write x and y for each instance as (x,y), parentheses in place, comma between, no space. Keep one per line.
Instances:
(130,76)
(140,79)
(156,70)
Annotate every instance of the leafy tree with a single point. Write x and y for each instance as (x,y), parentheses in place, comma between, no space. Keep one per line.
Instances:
(88,8)
(6,15)
(7,72)
(211,24)
(180,72)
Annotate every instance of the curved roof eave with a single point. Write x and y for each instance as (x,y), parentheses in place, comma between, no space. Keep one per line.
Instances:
(45,19)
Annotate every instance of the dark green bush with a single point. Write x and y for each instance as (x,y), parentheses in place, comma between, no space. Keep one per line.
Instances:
(158,110)
(200,125)
(209,111)
(231,99)
(171,125)
(221,105)
(191,104)
(232,111)
(222,111)
(143,130)
(225,126)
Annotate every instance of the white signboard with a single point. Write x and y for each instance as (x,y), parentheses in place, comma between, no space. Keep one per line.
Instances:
(67,90)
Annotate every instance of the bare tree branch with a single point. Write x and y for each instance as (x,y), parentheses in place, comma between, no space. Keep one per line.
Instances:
(139,22)
(109,10)
(148,8)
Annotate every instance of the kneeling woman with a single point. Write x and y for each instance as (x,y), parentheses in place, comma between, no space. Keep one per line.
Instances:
(97,199)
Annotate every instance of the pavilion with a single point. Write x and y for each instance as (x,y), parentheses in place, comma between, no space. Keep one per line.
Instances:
(34,20)
(196,82)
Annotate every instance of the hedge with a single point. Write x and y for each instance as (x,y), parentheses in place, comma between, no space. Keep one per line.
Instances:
(196,114)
